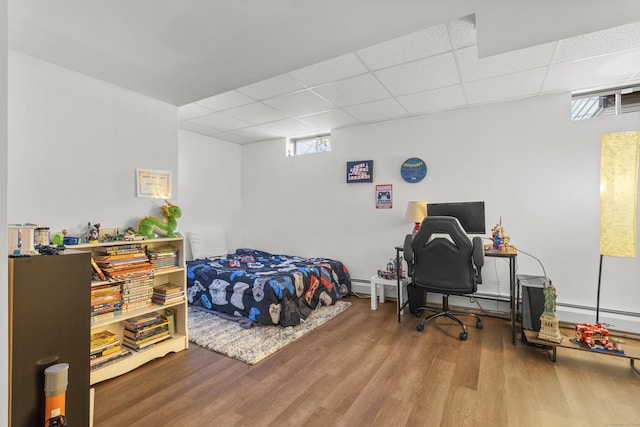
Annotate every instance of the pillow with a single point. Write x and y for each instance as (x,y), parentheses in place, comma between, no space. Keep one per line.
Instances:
(210,243)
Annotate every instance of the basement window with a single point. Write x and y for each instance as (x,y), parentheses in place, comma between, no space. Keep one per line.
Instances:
(607,102)
(319,143)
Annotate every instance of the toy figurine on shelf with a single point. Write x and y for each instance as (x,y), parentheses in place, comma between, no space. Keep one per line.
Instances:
(151,227)
(549,323)
(93,233)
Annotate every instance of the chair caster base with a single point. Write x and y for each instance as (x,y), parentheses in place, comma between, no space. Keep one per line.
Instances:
(463,336)
(420,328)
(479,324)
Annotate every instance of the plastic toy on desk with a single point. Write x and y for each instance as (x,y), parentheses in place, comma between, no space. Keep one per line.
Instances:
(392,271)
(500,241)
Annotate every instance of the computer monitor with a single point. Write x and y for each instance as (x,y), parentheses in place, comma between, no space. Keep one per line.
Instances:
(470,214)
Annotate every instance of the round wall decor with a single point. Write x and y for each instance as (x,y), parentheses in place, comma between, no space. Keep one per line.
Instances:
(413,170)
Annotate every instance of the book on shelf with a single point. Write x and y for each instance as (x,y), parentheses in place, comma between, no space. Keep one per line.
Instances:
(123,249)
(137,322)
(138,345)
(167,288)
(167,293)
(159,324)
(163,257)
(106,315)
(105,350)
(102,338)
(97,270)
(109,359)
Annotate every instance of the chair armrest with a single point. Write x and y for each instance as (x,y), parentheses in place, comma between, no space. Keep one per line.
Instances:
(408,249)
(408,254)
(478,257)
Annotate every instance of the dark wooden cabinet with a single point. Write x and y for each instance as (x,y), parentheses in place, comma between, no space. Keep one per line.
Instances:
(49,323)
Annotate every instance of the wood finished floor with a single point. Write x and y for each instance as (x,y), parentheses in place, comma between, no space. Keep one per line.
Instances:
(365,369)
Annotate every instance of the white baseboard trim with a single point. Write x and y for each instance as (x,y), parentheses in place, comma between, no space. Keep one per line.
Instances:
(499,305)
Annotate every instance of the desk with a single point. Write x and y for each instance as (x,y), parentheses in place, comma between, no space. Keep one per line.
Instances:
(511,254)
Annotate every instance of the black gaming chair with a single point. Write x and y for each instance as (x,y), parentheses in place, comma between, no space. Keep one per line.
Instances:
(442,259)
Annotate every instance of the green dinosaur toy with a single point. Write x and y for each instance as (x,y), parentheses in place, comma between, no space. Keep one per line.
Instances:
(151,226)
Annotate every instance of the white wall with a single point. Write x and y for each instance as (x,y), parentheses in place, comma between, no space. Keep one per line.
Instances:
(4,290)
(536,170)
(74,145)
(210,186)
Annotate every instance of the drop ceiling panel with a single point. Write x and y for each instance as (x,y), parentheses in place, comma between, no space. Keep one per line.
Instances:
(421,44)
(510,86)
(288,127)
(221,121)
(274,86)
(256,113)
(225,101)
(254,133)
(594,73)
(299,103)
(191,111)
(342,67)
(328,120)
(446,98)
(377,110)
(598,43)
(418,76)
(355,90)
(474,68)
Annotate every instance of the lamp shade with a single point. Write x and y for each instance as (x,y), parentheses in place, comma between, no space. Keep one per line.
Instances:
(618,193)
(416,212)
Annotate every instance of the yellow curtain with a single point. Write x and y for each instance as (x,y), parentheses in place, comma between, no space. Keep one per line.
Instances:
(619,193)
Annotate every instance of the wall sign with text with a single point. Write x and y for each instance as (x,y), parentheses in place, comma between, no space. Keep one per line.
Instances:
(384,196)
(153,183)
(360,171)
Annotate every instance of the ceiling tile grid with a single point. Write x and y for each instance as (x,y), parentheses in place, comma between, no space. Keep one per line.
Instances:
(355,90)
(425,71)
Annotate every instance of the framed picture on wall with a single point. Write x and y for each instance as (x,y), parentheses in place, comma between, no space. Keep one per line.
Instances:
(384,196)
(153,183)
(360,171)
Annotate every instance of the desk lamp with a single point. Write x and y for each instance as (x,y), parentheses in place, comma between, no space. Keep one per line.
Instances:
(618,197)
(416,212)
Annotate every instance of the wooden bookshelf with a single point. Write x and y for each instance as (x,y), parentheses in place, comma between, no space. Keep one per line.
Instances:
(175,275)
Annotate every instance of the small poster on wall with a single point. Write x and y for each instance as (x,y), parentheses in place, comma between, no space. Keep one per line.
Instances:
(360,171)
(384,196)
(153,183)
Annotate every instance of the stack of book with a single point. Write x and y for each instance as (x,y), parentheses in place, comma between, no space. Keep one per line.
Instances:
(137,293)
(106,301)
(142,332)
(163,257)
(167,294)
(124,262)
(105,349)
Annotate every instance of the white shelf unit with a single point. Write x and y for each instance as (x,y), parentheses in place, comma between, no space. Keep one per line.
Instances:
(180,340)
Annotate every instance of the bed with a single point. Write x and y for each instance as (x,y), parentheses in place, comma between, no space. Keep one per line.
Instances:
(257,287)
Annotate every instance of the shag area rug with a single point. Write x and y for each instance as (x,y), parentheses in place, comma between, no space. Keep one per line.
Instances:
(253,344)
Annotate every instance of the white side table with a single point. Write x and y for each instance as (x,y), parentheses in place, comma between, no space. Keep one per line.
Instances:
(378,293)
